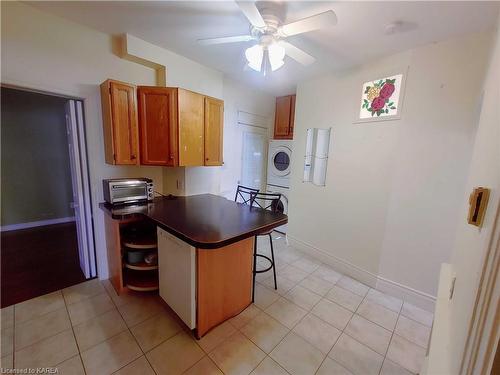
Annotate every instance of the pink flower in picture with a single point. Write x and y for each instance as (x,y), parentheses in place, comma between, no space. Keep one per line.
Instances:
(378,103)
(387,90)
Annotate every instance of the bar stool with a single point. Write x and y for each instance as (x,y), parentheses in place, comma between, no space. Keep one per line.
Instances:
(244,194)
(266,201)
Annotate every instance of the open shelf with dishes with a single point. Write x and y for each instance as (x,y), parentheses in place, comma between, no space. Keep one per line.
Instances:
(139,251)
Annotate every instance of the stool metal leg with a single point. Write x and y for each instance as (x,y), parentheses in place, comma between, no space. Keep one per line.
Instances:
(254,271)
(274,264)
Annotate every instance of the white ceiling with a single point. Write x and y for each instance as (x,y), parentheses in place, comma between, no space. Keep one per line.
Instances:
(358,37)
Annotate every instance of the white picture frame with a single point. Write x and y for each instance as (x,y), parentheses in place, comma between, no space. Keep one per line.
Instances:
(380,102)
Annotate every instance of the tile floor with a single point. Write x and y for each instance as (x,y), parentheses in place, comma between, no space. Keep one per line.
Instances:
(317,322)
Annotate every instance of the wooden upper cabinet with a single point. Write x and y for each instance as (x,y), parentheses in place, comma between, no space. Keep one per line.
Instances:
(119,123)
(284,117)
(191,128)
(292,116)
(170,126)
(214,124)
(158,125)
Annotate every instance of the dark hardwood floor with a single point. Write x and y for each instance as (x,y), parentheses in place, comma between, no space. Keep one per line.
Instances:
(38,261)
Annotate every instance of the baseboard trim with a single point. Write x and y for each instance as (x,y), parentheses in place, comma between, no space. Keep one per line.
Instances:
(33,224)
(413,296)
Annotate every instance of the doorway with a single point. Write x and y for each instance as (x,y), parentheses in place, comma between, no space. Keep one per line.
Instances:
(47,239)
(254,157)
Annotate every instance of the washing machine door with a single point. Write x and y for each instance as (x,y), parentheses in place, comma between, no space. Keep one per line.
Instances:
(280,161)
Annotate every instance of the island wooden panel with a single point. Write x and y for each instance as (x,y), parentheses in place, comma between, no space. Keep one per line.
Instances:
(224,283)
(113,247)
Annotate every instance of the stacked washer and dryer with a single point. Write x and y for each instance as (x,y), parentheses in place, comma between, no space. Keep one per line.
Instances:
(278,173)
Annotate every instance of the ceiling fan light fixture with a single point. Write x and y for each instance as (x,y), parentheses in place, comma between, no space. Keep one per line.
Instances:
(276,55)
(254,57)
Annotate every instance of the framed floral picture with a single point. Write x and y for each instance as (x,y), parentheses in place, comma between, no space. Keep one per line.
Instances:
(381,99)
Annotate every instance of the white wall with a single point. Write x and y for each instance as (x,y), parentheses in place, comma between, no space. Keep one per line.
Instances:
(387,213)
(46,52)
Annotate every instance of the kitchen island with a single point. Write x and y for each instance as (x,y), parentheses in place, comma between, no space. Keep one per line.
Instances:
(205,247)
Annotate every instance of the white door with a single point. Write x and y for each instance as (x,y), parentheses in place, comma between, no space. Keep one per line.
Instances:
(253,173)
(81,191)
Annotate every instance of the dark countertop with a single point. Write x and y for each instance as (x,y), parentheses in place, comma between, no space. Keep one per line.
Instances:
(204,221)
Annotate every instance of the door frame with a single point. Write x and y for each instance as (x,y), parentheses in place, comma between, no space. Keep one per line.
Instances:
(83,156)
(484,330)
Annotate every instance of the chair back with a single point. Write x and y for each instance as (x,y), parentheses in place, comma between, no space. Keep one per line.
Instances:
(244,194)
(267,201)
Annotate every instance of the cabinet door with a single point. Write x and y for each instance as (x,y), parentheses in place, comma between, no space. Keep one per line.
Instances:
(191,124)
(282,117)
(123,123)
(177,276)
(214,125)
(158,125)
(292,116)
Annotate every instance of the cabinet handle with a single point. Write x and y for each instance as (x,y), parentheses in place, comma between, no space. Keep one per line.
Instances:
(132,157)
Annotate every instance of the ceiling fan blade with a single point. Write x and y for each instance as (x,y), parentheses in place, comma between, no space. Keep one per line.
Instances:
(297,54)
(251,12)
(227,39)
(304,25)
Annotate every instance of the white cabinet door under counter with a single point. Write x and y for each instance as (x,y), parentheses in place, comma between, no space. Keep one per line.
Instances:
(177,276)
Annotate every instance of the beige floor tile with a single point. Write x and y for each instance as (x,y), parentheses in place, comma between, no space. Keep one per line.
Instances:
(175,355)
(7,344)
(303,297)
(237,355)
(327,274)
(265,332)
(38,306)
(40,328)
(390,368)
(245,316)
(284,285)
(216,336)
(111,355)
(332,313)
(264,297)
(127,295)
(353,286)
(297,356)
(307,264)
(261,277)
(286,312)
(7,317)
(317,332)
(368,333)
(82,291)
(138,311)
(415,332)
(89,308)
(72,366)
(389,302)
(288,255)
(316,285)
(344,298)
(293,274)
(7,361)
(204,367)
(269,367)
(406,354)
(417,314)
(378,314)
(96,330)
(155,330)
(139,367)
(330,367)
(356,357)
(48,352)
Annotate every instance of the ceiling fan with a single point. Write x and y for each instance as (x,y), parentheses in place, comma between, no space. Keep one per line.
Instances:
(270,33)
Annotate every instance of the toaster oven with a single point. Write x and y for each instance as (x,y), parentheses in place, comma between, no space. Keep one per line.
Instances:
(127,190)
